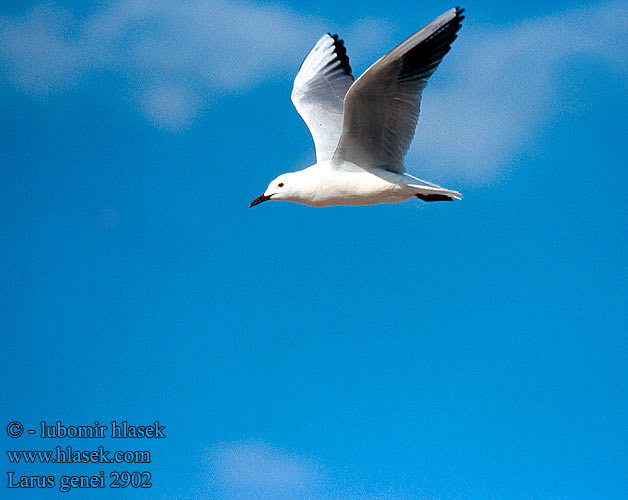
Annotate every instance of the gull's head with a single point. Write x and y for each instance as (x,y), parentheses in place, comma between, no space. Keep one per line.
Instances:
(285,187)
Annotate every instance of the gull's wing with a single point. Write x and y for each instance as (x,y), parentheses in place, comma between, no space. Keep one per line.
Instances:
(319,91)
(382,106)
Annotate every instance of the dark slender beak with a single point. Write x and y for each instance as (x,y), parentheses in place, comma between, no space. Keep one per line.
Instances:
(260,199)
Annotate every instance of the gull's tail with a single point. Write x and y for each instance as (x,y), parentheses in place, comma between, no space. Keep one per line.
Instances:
(439,196)
(432,194)
(428,191)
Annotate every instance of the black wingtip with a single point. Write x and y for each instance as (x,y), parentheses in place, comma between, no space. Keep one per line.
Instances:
(341,53)
(434,197)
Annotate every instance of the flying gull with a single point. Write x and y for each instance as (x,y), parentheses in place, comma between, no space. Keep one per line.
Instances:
(362,129)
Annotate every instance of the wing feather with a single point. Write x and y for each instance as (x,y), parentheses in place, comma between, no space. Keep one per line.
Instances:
(319,91)
(382,107)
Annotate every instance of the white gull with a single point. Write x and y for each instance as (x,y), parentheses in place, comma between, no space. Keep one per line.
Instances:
(362,129)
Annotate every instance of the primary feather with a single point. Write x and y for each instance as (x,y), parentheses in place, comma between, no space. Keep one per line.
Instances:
(381,108)
(319,91)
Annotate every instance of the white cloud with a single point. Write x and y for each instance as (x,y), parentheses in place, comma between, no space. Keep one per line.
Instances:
(494,93)
(170,105)
(255,470)
(37,54)
(501,85)
(176,56)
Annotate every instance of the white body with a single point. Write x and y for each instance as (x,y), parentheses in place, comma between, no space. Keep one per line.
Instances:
(324,185)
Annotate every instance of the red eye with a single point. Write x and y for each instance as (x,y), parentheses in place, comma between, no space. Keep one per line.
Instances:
(280,185)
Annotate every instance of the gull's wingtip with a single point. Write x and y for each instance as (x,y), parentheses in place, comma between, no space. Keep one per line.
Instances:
(341,53)
(457,13)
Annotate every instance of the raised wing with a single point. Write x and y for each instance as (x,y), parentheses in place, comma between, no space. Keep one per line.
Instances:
(319,91)
(382,107)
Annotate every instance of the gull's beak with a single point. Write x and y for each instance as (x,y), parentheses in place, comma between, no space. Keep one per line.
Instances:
(260,199)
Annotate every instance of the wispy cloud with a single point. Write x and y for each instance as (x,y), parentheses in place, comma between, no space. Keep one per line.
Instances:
(256,470)
(494,93)
(244,470)
(175,56)
(502,84)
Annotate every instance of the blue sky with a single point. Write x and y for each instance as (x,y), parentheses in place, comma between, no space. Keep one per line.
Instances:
(465,350)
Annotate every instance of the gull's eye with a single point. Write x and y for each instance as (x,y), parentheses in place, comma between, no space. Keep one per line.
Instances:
(280,185)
